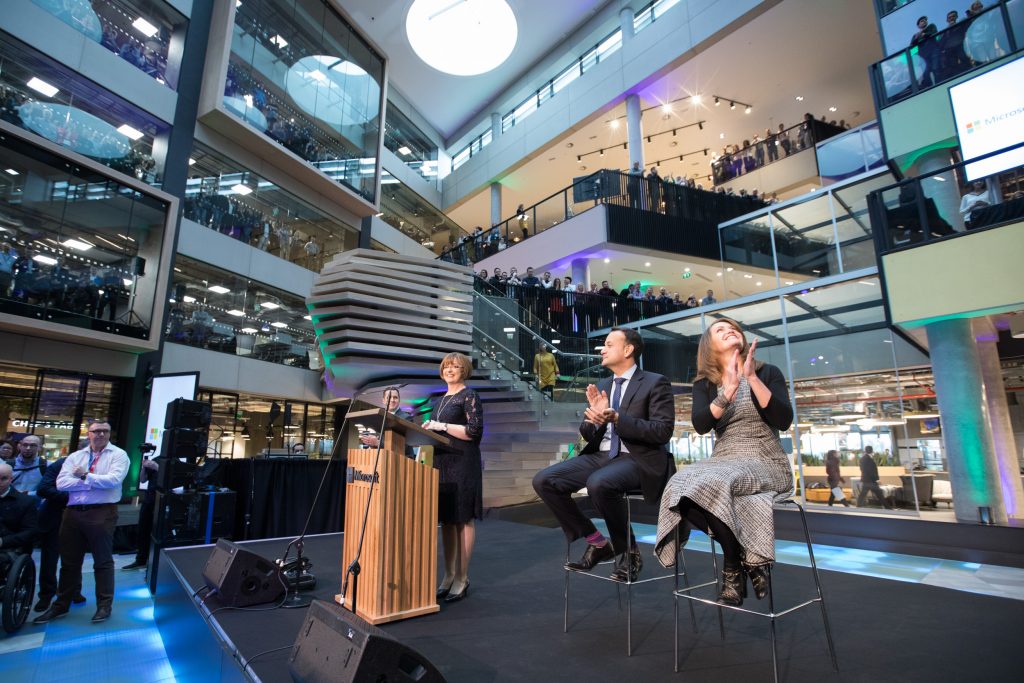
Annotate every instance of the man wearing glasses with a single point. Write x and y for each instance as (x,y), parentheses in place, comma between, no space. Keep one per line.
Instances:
(92,478)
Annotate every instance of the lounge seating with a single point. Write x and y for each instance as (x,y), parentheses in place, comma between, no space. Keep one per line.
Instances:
(942,492)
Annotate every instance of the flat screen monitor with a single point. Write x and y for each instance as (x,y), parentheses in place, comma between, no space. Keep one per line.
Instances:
(167,388)
(989,114)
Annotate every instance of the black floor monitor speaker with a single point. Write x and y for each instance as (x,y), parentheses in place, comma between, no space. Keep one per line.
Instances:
(241,577)
(336,646)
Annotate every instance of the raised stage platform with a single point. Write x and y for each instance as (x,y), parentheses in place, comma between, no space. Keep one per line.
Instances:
(510,626)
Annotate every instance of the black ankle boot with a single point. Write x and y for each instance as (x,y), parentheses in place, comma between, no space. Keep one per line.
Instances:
(758,579)
(734,586)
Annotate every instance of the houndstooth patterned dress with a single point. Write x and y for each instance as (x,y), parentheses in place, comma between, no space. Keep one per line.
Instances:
(737,484)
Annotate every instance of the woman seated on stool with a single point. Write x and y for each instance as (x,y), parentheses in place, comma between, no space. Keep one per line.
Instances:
(747,404)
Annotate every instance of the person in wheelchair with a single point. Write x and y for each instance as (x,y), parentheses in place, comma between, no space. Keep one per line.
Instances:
(17,533)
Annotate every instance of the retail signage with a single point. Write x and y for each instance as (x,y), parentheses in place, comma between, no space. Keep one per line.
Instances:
(21,425)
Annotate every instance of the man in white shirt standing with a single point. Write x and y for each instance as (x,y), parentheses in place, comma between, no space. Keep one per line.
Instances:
(92,478)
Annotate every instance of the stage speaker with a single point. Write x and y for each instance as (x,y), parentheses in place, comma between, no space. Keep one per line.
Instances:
(241,577)
(183,443)
(185,414)
(173,473)
(336,646)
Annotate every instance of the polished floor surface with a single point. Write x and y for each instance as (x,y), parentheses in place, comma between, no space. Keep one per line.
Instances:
(128,647)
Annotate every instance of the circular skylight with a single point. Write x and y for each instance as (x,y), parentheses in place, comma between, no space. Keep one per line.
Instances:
(462,37)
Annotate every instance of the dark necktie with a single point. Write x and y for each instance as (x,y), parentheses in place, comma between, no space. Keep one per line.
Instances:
(616,397)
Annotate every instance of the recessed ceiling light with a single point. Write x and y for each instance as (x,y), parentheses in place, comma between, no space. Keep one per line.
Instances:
(404,150)
(144,27)
(647,264)
(719,273)
(462,38)
(45,260)
(721,136)
(219,289)
(279,324)
(39,85)
(748,276)
(799,98)
(188,299)
(129,132)
(667,108)
(614,123)
(241,189)
(235,312)
(686,270)
(10,171)
(758,283)
(279,41)
(729,269)
(248,330)
(832,109)
(269,305)
(76,244)
(607,260)
(789,282)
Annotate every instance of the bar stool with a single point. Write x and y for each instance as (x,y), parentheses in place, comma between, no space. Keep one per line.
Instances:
(772,615)
(630,497)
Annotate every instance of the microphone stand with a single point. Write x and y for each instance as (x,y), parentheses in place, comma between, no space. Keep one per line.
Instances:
(354,567)
(300,565)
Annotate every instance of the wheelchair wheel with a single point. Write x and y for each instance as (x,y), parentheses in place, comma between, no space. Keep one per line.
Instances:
(17,598)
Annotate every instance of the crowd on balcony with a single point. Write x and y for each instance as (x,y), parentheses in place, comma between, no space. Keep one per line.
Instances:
(959,46)
(759,150)
(577,308)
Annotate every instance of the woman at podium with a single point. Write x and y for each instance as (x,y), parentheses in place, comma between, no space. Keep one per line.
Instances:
(459,415)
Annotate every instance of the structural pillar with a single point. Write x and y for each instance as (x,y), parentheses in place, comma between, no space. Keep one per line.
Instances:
(626,23)
(963,409)
(581,272)
(634,130)
(999,418)
(495,203)
(945,195)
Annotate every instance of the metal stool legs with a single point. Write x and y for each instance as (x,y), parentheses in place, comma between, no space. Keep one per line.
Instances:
(771,614)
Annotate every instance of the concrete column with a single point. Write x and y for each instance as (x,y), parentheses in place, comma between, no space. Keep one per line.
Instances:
(945,194)
(963,409)
(495,125)
(634,130)
(626,24)
(999,418)
(495,203)
(581,272)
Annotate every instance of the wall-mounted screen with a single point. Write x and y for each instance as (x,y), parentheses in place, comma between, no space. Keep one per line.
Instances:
(989,115)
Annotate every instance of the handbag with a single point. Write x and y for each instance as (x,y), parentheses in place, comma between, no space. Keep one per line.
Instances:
(837,491)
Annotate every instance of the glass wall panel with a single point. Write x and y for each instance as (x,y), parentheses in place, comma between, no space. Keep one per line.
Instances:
(302,76)
(410,143)
(229,198)
(220,311)
(246,426)
(41,96)
(805,238)
(78,248)
(418,219)
(148,34)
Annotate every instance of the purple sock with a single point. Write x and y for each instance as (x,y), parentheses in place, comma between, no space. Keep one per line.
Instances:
(597,539)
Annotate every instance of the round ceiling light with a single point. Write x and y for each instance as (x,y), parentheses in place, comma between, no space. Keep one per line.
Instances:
(462,38)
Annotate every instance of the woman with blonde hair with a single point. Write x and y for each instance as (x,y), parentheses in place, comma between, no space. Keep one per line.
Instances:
(458,415)
(731,493)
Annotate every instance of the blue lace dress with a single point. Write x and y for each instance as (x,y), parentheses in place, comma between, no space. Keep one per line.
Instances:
(461,492)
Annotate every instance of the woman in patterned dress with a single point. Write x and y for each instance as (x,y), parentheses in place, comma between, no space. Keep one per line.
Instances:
(746,402)
(459,415)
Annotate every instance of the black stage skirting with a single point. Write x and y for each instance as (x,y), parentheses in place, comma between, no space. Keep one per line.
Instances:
(510,626)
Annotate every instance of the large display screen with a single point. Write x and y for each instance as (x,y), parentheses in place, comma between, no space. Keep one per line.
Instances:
(166,388)
(989,115)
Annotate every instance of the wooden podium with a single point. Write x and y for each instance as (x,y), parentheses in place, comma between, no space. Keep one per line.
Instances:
(398,577)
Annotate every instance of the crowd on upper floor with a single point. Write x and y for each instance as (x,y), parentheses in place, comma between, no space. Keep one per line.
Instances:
(956,48)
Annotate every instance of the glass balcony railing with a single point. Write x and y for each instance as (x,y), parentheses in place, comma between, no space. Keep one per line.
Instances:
(76,247)
(217,310)
(947,203)
(941,56)
(227,197)
(140,32)
(738,160)
(683,201)
(305,78)
(410,144)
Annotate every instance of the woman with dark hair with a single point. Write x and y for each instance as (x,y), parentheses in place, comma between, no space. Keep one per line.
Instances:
(459,416)
(731,493)
(835,479)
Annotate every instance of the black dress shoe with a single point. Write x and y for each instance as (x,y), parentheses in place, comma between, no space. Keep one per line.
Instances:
(134,565)
(758,579)
(42,605)
(443,592)
(78,599)
(49,615)
(628,566)
(455,597)
(102,614)
(592,556)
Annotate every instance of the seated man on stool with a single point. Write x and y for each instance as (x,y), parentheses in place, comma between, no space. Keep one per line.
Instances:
(627,424)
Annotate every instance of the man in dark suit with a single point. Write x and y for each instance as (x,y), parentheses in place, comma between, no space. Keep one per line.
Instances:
(50,513)
(393,401)
(869,479)
(627,424)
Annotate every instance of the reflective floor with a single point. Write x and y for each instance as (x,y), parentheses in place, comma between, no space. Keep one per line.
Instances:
(128,647)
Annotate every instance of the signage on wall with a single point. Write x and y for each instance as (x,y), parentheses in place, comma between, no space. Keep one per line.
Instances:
(21,425)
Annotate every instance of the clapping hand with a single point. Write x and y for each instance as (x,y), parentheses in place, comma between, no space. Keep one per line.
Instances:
(750,365)
(599,409)
(731,376)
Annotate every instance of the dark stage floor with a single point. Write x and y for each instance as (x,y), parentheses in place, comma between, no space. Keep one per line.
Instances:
(510,627)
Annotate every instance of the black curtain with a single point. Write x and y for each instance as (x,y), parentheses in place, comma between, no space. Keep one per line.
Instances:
(282,492)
